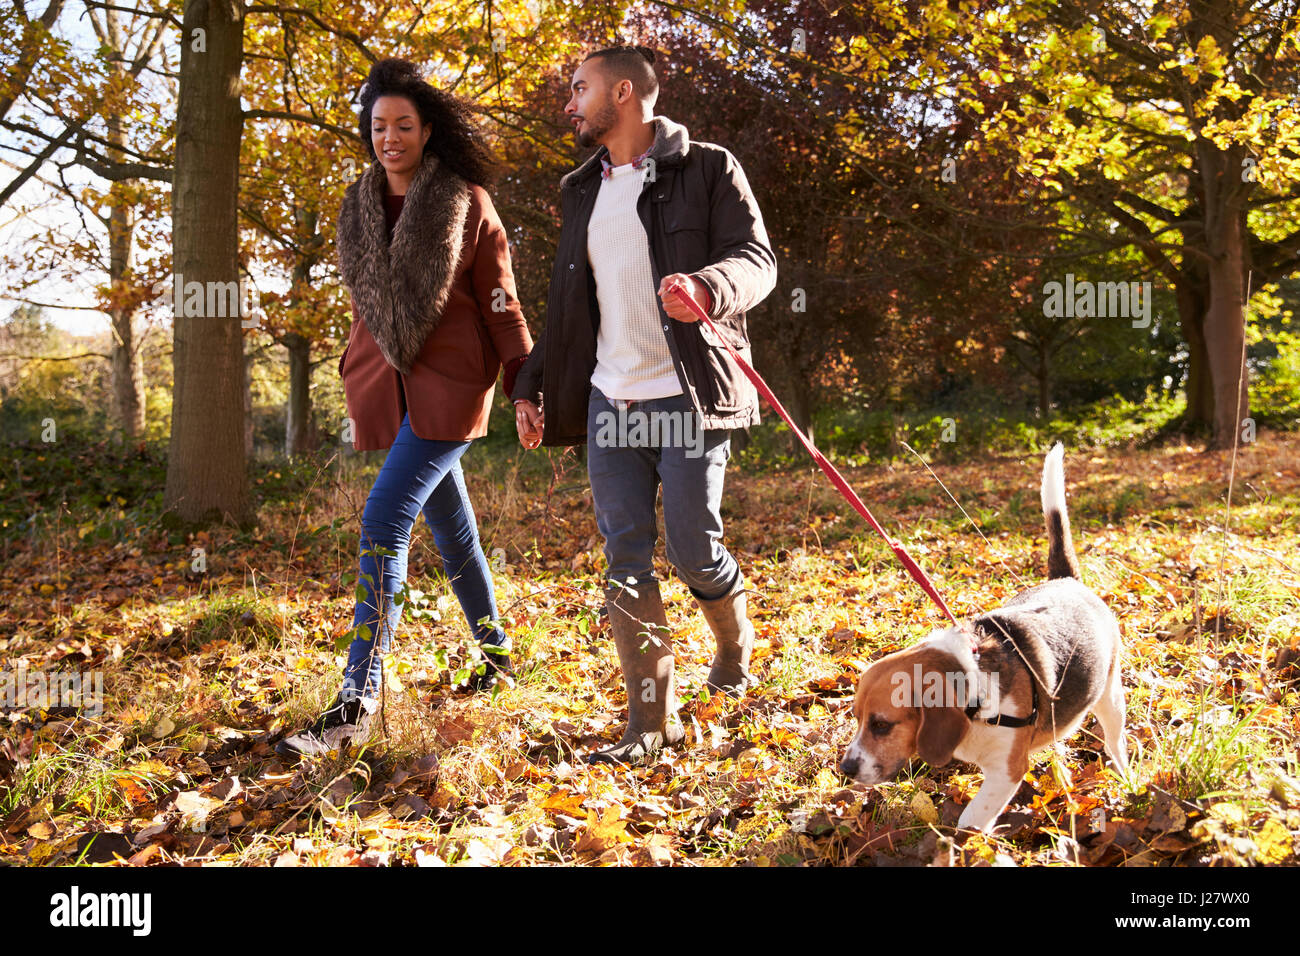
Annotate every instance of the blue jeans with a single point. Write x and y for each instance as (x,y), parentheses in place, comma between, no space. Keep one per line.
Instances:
(633,449)
(418,475)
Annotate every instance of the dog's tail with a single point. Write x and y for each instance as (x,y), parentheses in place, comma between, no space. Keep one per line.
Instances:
(1061,560)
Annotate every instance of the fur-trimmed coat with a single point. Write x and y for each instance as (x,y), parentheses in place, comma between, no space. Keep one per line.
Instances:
(434,314)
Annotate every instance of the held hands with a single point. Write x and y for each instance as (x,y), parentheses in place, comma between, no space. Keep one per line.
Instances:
(675,307)
(529,419)
(528,422)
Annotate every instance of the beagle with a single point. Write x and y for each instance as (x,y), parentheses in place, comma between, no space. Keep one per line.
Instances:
(993,690)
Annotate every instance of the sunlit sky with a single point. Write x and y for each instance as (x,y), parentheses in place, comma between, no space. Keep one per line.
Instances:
(37,208)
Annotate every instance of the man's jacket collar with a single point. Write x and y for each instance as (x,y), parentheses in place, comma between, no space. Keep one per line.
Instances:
(671,144)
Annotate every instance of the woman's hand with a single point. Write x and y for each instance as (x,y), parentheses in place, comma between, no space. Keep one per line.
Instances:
(528,422)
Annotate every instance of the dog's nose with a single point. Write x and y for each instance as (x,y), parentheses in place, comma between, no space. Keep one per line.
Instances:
(849,766)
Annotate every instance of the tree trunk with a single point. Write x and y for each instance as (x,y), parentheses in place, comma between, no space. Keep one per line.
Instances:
(207,475)
(894,403)
(248,405)
(1043,373)
(124,352)
(1193,297)
(300,437)
(800,409)
(1224,188)
(1225,332)
(128,375)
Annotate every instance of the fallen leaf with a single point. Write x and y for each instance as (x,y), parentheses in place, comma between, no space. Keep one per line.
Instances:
(923,808)
(604,833)
(1273,843)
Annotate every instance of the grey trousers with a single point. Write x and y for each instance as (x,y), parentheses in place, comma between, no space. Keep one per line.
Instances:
(632,448)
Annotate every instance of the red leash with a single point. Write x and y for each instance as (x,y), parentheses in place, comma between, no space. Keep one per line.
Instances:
(831,471)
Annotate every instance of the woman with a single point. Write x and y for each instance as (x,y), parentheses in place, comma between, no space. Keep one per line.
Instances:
(424,256)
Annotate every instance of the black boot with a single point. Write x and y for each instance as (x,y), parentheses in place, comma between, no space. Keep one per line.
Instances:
(343,722)
(495,666)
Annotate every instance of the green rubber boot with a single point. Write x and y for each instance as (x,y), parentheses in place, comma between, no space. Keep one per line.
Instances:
(729,621)
(644,643)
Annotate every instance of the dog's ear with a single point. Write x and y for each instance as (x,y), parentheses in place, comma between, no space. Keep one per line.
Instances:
(941,730)
(941,709)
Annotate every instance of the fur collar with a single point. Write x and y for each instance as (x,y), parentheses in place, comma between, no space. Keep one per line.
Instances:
(400,290)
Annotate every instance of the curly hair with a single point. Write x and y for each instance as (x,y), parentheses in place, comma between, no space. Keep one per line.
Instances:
(456,139)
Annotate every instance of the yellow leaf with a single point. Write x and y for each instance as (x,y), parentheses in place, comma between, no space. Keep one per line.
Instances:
(1229,813)
(1273,842)
(42,852)
(41,830)
(486,852)
(923,809)
(562,801)
(149,768)
(444,796)
(603,834)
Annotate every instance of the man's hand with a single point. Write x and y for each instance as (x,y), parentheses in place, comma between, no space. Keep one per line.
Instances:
(528,422)
(674,306)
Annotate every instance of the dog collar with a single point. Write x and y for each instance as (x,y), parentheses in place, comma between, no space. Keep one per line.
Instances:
(1002,720)
(1006,720)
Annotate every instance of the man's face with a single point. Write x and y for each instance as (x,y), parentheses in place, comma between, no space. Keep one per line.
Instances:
(591,108)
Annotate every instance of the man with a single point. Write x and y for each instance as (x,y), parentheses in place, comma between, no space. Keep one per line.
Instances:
(651,211)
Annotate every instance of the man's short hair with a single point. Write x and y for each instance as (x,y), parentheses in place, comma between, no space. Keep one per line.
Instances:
(630,63)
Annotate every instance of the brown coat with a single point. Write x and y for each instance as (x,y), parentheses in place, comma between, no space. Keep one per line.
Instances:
(435,312)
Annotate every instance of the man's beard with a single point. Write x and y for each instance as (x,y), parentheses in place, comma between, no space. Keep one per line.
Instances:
(598,125)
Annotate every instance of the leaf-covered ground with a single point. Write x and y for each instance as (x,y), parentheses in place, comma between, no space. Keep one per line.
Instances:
(213,645)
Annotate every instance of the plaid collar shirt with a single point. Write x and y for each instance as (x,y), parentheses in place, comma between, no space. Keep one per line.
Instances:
(606,166)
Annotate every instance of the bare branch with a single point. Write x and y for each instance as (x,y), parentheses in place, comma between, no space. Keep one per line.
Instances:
(53,358)
(38,161)
(55,305)
(135,11)
(300,118)
(116,172)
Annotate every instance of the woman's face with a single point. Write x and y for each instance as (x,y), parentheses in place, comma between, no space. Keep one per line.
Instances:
(396,133)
